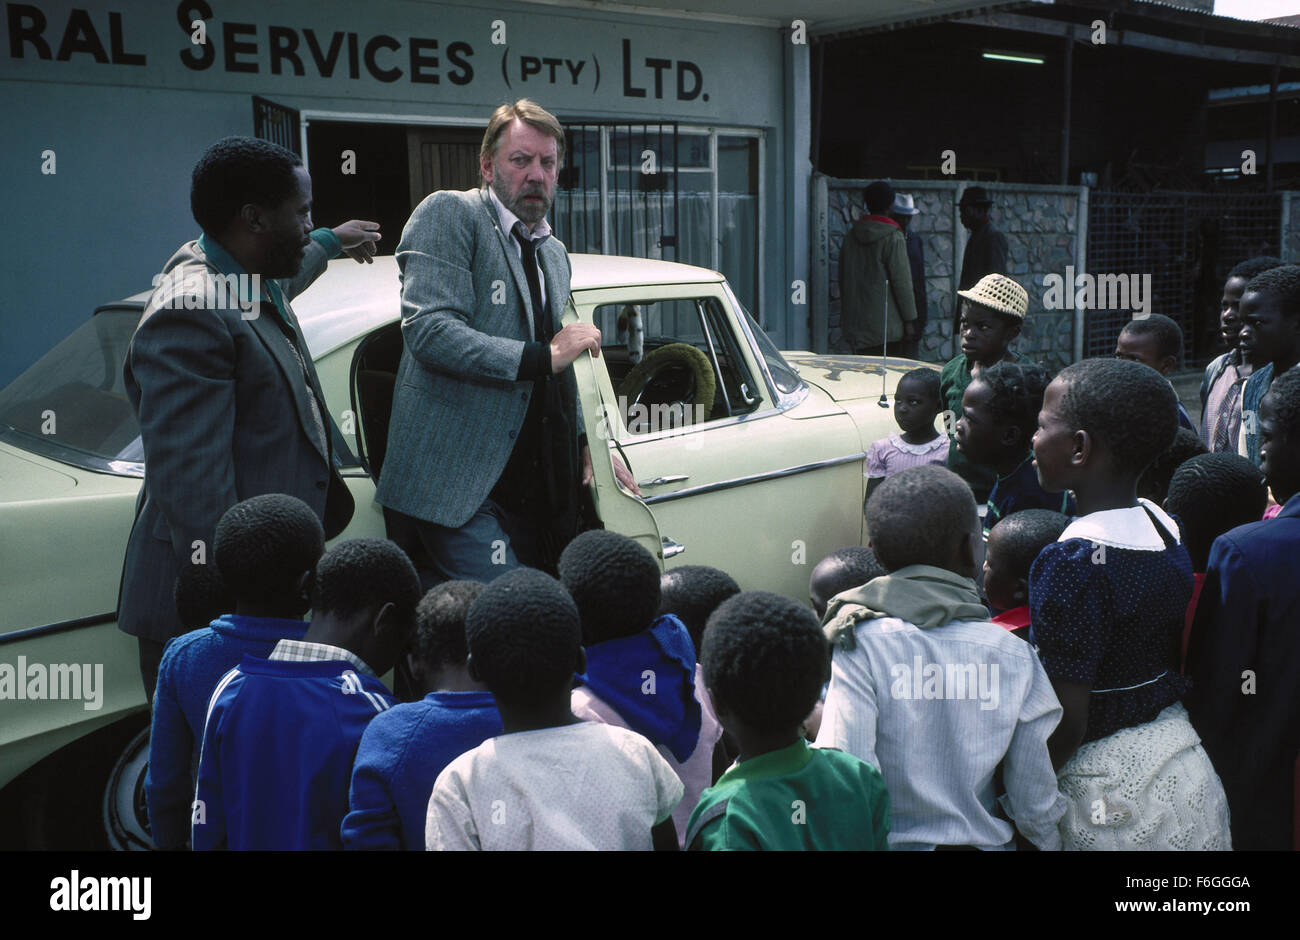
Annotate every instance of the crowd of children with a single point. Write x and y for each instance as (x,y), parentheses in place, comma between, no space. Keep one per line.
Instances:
(1101,656)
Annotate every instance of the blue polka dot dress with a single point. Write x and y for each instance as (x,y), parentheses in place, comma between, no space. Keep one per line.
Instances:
(1107,606)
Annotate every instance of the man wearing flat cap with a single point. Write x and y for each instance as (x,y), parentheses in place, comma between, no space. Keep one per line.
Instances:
(986,249)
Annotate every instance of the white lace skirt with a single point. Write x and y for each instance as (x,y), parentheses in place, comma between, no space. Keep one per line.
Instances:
(1150,787)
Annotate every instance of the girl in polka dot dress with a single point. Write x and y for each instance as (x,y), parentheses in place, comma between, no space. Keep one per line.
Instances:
(1107,603)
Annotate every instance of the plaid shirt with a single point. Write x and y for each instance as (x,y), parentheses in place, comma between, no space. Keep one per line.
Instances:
(301,651)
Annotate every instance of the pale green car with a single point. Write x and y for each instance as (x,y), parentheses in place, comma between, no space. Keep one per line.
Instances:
(748,459)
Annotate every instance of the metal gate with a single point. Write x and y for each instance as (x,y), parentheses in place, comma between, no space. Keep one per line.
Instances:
(1187,242)
(617,193)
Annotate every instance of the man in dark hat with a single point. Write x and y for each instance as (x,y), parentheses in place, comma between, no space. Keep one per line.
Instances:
(986,249)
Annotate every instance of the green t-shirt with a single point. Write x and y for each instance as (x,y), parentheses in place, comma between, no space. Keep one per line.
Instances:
(796,799)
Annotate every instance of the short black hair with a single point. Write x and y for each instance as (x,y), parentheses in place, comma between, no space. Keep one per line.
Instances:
(766,659)
(1282,284)
(1212,493)
(1022,535)
(1017,394)
(614,582)
(236,171)
(1154,482)
(524,637)
(928,379)
(1251,266)
(692,593)
(842,570)
(264,543)
(915,516)
(1284,397)
(878,197)
(1168,334)
(201,596)
(1128,408)
(361,575)
(440,623)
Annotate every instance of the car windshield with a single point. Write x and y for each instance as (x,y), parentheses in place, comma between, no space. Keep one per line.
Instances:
(72,405)
(786,379)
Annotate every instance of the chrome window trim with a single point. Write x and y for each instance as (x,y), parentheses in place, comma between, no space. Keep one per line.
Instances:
(73,457)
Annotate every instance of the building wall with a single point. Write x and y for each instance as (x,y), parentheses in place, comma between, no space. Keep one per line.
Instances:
(106,87)
(1045,228)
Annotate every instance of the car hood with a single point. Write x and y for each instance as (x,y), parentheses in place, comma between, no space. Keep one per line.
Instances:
(24,477)
(846,377)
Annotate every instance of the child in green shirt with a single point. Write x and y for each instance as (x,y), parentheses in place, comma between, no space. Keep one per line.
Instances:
(765,660)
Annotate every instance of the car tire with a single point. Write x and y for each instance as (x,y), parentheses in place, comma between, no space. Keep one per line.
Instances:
(125,816)
(59,804)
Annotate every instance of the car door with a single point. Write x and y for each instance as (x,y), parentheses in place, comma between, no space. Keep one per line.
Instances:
(759,483)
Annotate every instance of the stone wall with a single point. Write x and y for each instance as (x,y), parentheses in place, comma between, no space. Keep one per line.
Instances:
(1046,230)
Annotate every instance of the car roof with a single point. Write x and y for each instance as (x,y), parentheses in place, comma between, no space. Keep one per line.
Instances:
(351,299)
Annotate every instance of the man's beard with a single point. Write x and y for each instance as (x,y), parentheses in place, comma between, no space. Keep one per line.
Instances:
(286,262)
(530,213)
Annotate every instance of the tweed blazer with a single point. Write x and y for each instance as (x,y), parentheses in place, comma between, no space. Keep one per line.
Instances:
(224,415)
(466,315)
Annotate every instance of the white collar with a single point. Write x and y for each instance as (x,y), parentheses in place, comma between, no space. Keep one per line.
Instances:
(1123,528)
(917,449)
(509,220)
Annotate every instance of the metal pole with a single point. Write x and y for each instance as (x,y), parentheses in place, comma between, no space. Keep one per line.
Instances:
(884,349)
(1272,129)
(1065,110)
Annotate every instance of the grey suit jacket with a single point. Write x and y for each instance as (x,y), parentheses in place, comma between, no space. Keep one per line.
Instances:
(466,314)
(224,415)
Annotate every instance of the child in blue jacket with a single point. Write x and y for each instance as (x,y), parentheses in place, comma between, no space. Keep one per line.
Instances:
(281,733)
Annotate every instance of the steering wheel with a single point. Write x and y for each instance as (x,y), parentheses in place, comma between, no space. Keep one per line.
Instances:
(673,378)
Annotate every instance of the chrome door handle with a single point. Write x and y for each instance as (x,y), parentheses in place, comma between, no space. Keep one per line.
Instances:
(660,481)
(670,547)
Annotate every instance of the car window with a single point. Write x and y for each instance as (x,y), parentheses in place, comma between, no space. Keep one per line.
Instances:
(681,366)
(74,397)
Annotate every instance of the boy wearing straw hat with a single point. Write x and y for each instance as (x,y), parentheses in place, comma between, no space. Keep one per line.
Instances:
(991,315)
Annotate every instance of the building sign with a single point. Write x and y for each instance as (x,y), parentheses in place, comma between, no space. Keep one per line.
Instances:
(408,52)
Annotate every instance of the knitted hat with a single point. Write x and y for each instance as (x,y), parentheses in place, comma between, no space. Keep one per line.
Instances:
(1001,293)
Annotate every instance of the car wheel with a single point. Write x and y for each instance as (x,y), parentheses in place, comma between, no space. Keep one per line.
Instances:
(125,816)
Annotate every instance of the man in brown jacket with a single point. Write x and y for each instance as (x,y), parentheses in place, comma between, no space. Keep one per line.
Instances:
(873,255)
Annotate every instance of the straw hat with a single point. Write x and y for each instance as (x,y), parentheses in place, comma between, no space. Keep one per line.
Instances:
(999,292)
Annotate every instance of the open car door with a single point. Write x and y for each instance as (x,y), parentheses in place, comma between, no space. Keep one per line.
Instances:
(617,509)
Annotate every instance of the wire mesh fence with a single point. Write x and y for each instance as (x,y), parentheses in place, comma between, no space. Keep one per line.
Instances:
(1187,243)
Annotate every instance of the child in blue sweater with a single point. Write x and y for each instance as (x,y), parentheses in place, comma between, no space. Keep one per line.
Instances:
(265,548)
(281,733)
(641,666)
(405,748)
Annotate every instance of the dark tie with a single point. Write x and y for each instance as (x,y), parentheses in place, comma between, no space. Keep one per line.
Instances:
(540,332)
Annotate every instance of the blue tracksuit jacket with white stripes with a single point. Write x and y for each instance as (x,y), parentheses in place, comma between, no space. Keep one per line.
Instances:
(276,759)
